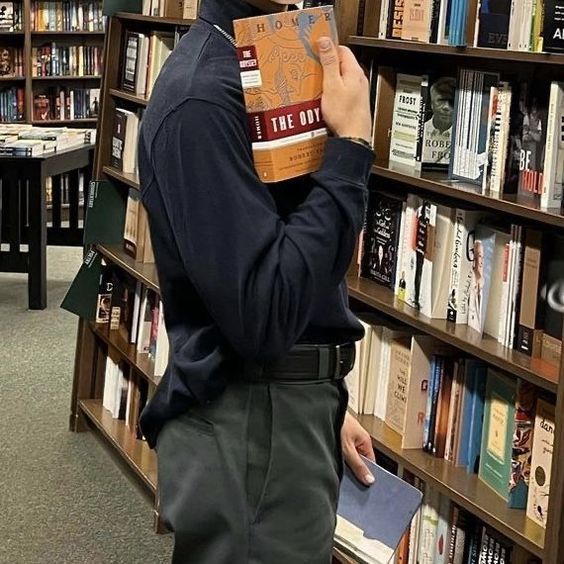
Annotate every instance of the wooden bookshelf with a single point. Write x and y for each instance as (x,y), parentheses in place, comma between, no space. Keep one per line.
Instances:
(432,49)
(437,183)
(540,373)
(35,85)
(140,458)
(145,272)
(63,122)
(128,97)
(128,178)
(464,489)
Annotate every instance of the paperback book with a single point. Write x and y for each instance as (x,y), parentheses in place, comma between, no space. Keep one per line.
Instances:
(283,101)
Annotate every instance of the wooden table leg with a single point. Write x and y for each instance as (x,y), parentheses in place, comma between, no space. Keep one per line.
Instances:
(37,277)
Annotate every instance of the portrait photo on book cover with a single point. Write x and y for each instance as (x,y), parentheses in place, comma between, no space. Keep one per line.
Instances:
(439,119)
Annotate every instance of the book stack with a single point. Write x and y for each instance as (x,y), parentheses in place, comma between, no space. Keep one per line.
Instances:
(70,15)
(498,136)
(144,55)
(462,265)
(11,16)
(518,26)
(66,60)
(63,103)
(29,141)
(457,408)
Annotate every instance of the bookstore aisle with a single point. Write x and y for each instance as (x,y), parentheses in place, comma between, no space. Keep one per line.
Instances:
(63,497)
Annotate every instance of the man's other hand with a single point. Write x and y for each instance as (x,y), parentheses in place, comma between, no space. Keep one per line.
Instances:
(355,441)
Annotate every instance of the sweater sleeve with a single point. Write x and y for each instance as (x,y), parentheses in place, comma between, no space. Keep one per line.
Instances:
(256,273)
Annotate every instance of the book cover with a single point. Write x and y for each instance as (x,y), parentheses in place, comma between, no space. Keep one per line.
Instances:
(438,122)
(130,61)
(381,238)
(541,462)
(398,384)
(395,19)
(482,267)
(552,300)
(104,299)
(283,101)
(553,171)
(417,20)
(553,26)
(406,119)
(493,24)
(131,225)
(523,426)
(443,532)
(461,266)
(478,397)
(441,424)
(365,526)
(534,117)
(434,394)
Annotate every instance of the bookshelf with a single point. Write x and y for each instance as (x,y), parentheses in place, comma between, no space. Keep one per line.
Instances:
(28,39)
(464,489)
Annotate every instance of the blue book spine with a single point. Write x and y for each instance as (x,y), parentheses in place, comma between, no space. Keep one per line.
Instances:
(439,372)
(427,424)
(469,387)
(452,21)
(477,417)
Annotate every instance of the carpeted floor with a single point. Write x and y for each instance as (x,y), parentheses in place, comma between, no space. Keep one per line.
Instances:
(63,499)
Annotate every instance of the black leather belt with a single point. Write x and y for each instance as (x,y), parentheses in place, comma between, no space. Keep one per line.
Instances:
(305,363)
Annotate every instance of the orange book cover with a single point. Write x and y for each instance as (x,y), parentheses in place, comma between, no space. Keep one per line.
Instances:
(282,82)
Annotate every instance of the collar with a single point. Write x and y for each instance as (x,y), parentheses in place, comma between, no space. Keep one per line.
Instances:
(223,12)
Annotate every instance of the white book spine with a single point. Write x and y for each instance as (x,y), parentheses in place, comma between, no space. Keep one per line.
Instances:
(383,27)
(554,153)
(402,244)
(518,274)
(514,21)
(506,290)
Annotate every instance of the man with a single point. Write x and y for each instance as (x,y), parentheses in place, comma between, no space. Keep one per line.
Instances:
(246,422)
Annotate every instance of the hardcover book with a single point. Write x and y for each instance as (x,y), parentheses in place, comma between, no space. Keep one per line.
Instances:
(493,24)
(283,101)
(438,121)
(366,529)
(541,463)
(381,238)
(130,63)
(416,20)
(553,26)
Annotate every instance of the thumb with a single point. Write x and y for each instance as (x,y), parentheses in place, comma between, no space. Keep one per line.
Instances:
(359,468)
(329,58)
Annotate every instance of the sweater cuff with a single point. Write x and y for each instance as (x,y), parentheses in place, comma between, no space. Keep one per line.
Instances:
(347,160)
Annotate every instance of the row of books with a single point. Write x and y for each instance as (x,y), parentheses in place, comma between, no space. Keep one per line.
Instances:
(465,266)
(144,57)
(125,393)
(66,60)
(441,533)
(64,188)
(518,25)
(135,312)
(63,103)
(458,409)
(178,9)
(67,15)
(502,136)
(136,235)
(12,104)
(24,140)
(11,16)
(11,61)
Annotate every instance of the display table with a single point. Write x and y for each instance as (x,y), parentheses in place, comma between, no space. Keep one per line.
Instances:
(23,213)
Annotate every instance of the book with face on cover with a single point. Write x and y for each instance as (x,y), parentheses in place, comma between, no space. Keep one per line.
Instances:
(282,82)
(366,528)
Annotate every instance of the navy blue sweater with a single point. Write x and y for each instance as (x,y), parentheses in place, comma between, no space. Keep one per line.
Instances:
(246,270)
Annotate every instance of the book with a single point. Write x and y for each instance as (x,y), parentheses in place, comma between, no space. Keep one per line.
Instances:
(417,20)
(406,120)
(553,166)
(283,102)
(395,19)
(553,26)
(381,238)
(493,24)
(124,140)
(130,231)
(365,527)
(438,122)
(507,437)
(541,462)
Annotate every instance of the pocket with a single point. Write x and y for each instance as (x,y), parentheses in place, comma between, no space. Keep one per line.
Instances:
(198,424)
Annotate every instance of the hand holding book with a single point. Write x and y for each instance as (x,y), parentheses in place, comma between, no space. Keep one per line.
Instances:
(345,103)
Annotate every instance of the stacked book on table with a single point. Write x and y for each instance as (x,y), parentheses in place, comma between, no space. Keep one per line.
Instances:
(23,140)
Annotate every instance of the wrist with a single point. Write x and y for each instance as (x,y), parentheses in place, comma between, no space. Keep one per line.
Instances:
(359,141)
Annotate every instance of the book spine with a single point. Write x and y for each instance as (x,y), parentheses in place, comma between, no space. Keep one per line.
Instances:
(421,120)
